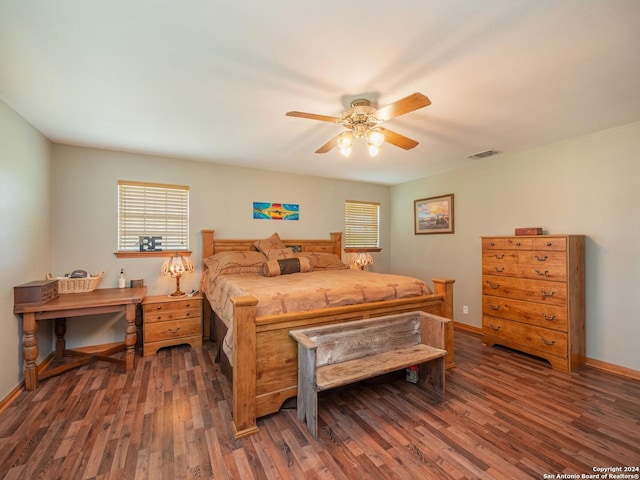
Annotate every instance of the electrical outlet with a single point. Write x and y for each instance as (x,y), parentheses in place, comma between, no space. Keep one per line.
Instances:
(465,309)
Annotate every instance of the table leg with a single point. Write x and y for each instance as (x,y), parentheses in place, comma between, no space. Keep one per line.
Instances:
(61,330)
(130,338)
(139,328)
(30,350)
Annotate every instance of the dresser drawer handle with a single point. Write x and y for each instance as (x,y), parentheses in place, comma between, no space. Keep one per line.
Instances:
(542,274)
(549,244)
(495,286)
(541,259)
(494,307)
(499,257)
(548,342)
(158,317)
(174,332)
(545,294)
(188,314)
(499,269)
(518,244)
(494,327)
(548,317)
(187,305)
(493,244)
(159,307)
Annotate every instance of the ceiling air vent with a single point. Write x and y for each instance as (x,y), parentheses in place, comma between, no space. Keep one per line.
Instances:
(485,154)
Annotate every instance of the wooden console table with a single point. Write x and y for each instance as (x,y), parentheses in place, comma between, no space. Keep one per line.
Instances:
(102,300)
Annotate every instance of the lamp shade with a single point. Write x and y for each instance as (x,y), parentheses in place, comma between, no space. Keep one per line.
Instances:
(361,260)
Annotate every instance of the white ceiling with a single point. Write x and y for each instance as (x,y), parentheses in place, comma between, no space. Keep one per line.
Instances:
(212,80)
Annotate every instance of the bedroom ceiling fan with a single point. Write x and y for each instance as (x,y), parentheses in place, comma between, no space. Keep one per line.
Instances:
(362,120)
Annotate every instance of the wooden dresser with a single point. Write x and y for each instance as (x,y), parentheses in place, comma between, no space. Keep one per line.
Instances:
(171,321)
(533,296)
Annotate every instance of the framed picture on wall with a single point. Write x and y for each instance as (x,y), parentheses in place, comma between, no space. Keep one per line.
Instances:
(433,215)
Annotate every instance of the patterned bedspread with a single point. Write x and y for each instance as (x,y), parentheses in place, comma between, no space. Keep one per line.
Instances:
(305,291)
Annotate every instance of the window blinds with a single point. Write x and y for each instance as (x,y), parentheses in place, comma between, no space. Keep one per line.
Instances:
(362,221)
(153,210)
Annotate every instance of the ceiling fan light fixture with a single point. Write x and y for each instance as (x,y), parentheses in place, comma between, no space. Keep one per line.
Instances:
(375,137)
(373,149)
(345,140)
(345,143)
(346,151)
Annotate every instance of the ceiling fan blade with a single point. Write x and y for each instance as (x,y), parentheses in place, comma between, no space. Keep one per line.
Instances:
(398,140)
(329,145)
(405,105)
(313,116)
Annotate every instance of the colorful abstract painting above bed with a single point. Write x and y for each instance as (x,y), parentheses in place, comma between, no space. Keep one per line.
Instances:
(258,290)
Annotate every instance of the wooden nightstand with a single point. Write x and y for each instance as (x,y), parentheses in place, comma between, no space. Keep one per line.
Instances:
(171,321)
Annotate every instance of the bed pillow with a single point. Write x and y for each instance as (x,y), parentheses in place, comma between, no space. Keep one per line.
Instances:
(235,262)
(273,268)
(271,244)
(280,254)
(323,261)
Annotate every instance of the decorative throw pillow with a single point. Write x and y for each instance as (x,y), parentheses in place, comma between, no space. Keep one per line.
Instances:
(280,254)
(235,262)
(286,266)
(322,260)
(268,244)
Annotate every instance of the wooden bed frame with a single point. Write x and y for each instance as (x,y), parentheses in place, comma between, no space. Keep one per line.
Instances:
(265,357)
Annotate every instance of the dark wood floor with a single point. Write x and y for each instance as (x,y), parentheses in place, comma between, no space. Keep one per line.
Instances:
(504,416)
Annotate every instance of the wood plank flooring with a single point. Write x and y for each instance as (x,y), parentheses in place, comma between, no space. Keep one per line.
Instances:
(504,416)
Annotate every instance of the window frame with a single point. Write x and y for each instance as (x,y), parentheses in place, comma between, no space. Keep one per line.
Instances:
(165,252)
(366,218)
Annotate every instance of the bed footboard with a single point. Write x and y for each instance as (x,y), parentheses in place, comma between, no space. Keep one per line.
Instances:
(265,362)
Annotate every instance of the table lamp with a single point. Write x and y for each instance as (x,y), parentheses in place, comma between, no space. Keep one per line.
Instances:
(176,266)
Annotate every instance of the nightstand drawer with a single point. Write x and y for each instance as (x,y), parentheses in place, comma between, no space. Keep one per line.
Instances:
(155,332)
(170,306)
(157,315)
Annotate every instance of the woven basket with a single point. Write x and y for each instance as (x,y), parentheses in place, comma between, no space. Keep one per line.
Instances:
(76,285)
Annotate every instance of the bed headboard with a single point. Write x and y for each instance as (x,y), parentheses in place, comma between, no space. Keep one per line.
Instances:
(211,245)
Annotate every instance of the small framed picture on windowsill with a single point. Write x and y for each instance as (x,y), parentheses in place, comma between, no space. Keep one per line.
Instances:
(433,215)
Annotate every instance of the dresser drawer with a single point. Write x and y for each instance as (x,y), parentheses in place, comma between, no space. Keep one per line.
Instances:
(539,314)
(556,273)
(493,244)
(515,243)
(553,293)
(556,243)
(535,338)
(159,331)
(501,256)
(541,258)
(500,262)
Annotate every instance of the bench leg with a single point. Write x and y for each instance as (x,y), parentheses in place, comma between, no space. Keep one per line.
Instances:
(434,370)
(307,400)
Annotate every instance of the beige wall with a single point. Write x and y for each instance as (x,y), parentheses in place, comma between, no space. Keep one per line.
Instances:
(85,216)
(25,236)
(586,185)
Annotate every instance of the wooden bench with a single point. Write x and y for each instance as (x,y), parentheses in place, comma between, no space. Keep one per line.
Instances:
(339,354)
